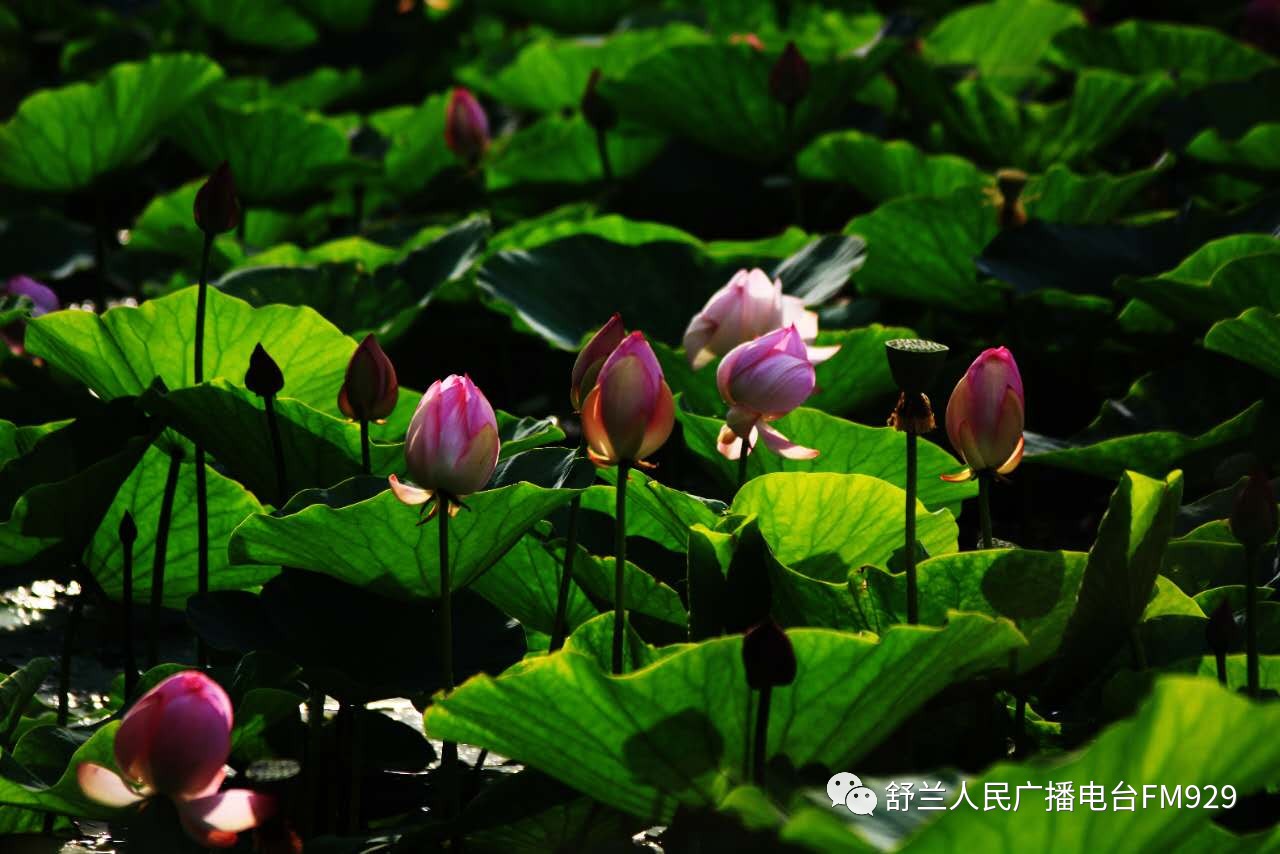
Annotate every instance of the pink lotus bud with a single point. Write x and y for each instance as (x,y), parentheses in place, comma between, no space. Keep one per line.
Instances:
(762,380)
(747,307)
(592,357)
(629,413)
(216,207)
(985,415)
(789,79)
(174,742)
(1253,517)
(370,390)
(452,444)
(466,127)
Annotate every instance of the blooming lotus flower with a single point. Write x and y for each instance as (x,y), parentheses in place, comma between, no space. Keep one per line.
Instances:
(586,368)
(747,307)
(370,390)
(216,209)
(985,415)
(466,127)
(174,743)
(629,413)
(452,444)
(763,380)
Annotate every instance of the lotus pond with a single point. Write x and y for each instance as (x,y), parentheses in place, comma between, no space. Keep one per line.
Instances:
(639,425)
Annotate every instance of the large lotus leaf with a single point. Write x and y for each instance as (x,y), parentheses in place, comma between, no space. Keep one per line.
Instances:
(1193,294)
(551,74)
(1005,40)
(63,797)
(1191,731)
(385,300)
(1199,54)
(654,511)
(1253,338)
(271,24)
(1257,149)
(855,377)
(416,150)
(674,731)
(274,150)
(1089,258)
(342,15)
(378,544)
(923,250)
(123,350)
(314,90)
(884,169)
(62,139)
(555,288)
(824,524)
(1005,131)
(1123,566)
(844,447)
(17,441)
(525,582)
(1061,195)
(560,150)
(568,15)
(142,495)
(723,95)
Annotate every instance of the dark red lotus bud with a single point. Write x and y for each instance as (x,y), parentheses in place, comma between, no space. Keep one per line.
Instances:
(370,390)
(217,209)
(263,377)
(768,656)
(128,529)
(598,112)
(1254,519)
(1221,630)
(466,127)
(789,79)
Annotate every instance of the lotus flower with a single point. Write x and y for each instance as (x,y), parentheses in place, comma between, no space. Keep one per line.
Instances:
(586,368)
(264,377)
(370,390)
(763,380)
(216,208)
(174,743)
(789,78)
(43,301)
(1254,518)
(768,656)
(985,415)
(466,127)
(629,413)
(452,444)
(747,307)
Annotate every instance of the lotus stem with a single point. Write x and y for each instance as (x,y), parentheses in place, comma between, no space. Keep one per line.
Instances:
(1251,619)
(277,448)
(560,627)
(744,451)
(64,670)
(606,168)
(619,565)
(913,591)
(157,564)
(202,487)
(762,735)
(984,508)
(365,464)
(126,583)
(449,752)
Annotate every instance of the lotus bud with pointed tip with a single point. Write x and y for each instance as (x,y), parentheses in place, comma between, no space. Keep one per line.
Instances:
(762,380)
(466,127)
(768,656)
(1253,517)
(128,530)
(789,78)
(369,390)
(591,359)
(1221,632)
(174,742)
(216,209)
(985,415)
(629,413)
(598,112)
(452,444)
(746,308)
(263,377)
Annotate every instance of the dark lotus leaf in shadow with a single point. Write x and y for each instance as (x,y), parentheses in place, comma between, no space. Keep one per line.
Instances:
(550,468)
(679,754)
(1022,585)
(824,566)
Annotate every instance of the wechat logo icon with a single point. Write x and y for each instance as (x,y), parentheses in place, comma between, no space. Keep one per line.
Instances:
(846,789)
